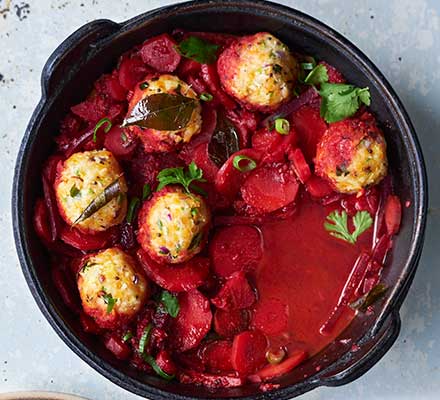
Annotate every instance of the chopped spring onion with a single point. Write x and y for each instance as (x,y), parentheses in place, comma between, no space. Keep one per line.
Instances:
(275,356)
(206,96)
(109,300)
(282,126)
(134,203)
(307,66)
(143,341)
(128,335)
(146,191)
(101,123)
(144,85)
(249,164)
(74,191)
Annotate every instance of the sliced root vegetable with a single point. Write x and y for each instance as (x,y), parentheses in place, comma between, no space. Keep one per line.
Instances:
(235,248)
(271,316)
(131,71)
(266,140)
(178,278)
(188,68)
(210,76)
(270,188)
(165,362)
(114,343)
(393,214)
(193,321)
(230,322)
(274,371)
(210,380)
(160,53)
(309,127)
(318,187)
(354,281)
(66,289)
(300,165)
(88,324)
(249,352)
(120,142)
(229,178)
(84,241)
(381,248)
(41,221)
(236,293)
(52,209)
(216,356)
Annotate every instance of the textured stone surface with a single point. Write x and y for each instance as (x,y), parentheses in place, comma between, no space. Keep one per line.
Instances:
(400,36)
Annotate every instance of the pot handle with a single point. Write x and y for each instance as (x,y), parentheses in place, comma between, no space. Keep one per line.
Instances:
(369,354)
(58,67)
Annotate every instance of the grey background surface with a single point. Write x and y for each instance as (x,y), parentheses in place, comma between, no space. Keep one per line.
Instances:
(401,36)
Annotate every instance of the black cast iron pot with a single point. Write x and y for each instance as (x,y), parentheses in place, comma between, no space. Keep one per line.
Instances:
(92,50)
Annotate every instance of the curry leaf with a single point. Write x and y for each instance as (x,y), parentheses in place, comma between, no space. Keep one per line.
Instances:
(162,111)
(224,141)
(375,294)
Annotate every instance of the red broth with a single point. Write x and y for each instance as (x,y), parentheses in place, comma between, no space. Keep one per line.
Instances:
(258,277)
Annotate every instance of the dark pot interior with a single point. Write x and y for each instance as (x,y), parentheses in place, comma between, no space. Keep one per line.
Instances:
(93,50)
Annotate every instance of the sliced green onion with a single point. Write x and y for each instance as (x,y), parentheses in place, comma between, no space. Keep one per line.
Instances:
(275,356)
(307,66)
(99,124)
(134,203)
(146,191)
(109,300)
(128,335)
(282,126)
(249,165)
(74,191)
(143,341)
(150,360)
(144,85)
(206,96)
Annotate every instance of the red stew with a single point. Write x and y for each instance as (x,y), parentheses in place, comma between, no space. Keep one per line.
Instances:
(218,209)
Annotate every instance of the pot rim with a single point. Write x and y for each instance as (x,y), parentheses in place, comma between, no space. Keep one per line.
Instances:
(398,292)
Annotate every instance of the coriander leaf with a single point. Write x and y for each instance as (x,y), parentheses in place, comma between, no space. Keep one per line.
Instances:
(317,75)
(338,226)
(361,221)
(179,176)
(368,299)
(199,50)
(146,191)
(162,111)
(170,303)
(109,300)
(340,100)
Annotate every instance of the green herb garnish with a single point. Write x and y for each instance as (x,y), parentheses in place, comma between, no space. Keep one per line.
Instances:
(144,85)
(249,164)
(375,294)
(74,191)
(206,96)
(150,360)
(99,124)
(170,302)
(162,111)
(180,176)
(282,126)
(109,300)
(143,341)
(317,76)
(146,191)
(199,50)
(128,335)
(337,224)
(134,203)
(340,100)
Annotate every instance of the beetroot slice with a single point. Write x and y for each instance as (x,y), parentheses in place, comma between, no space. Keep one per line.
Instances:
(269,188)
(271,316)
(160,53)
(273,371)
(229,178)
(216,356)
(236,293)
(210,380)
(179,278)
(119,142)
(228,323)
(235,248)
(193,321)
(249,352)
